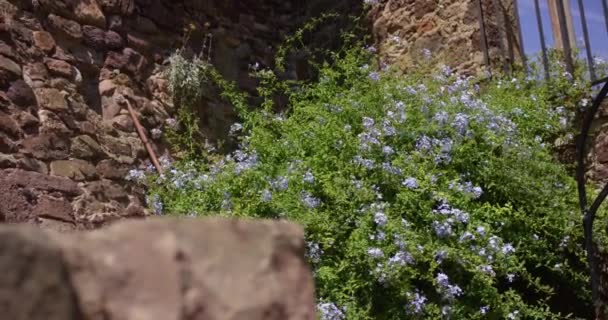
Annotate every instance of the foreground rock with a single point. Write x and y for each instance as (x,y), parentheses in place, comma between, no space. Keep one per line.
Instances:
(159,269)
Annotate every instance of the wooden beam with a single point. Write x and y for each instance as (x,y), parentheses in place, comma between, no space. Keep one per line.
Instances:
(555,26)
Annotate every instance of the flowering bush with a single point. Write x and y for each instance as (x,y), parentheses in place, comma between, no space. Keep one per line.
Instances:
(422,196)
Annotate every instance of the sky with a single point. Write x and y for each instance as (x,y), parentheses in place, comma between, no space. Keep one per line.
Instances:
(598,34)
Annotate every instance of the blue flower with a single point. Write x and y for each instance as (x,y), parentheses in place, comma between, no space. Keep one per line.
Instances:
(308,177)
(310,201)
(461,123)
(366,163)
(510,277)
(417,303)
(513,315)
(401,258)
(234,128)
(136,175)
(280,183)
(440,256)
(375,76)
(390,168)
(266,195)
(380,218)
(442,229)
(388,128)
(449,291)
(330,311)
(368,122)
(157,204)
(508,249)
(484,309)
(441,118)
(487,269)
(424,144)
(426,54)
(156,133)
(387,150)
(410,183)
(313,251)
(375,253)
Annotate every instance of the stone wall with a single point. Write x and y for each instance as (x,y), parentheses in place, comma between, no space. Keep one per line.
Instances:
(66,143)
(449,29)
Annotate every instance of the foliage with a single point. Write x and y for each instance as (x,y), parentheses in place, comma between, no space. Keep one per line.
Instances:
(423,196)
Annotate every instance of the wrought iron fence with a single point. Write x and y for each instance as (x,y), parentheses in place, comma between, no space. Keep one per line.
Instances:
(589,212)
(513,36)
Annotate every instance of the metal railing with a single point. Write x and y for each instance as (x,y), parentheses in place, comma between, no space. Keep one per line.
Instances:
(511,35)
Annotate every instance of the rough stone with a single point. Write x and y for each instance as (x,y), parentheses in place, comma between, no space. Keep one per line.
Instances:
(115,146)
(113,40)
(88,12)
(60,68)
(38,181)
(65,86)
(35,74)
(123,122)
(35,283)
(51,122)
(122,7)
(129,60)
(46,147)
(94,37)
(196,258)
(31,164)
(7,161)
(78,170)
(27,121)
(112,169)
(6,144)
(7,51)
(20,93)
(106,190)
(9,69)
(9,126)
(107,87)
(51,99)
(138,42)
(53,208)
(85,147)
(65,27)
(44,41)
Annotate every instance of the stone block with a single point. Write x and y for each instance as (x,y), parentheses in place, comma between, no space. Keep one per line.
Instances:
(52,99)
(77,170)
(44,41)
(212,269)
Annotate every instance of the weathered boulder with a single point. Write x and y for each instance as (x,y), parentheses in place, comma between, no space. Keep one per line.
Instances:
(24,196)
(212,269)
(65,27)
(35,283)
(21,93)
(9,70)
(77,170)
(51,99)
(44,41)
(50,146)
(85,147)
(88,12)
(59,68)
(122,7)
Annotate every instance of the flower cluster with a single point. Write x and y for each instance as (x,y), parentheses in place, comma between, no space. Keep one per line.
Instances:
(419,194)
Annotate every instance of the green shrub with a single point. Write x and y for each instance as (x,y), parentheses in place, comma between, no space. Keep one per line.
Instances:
(423,196)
